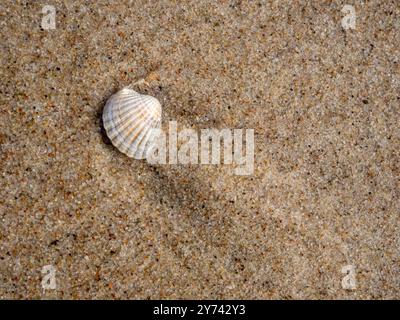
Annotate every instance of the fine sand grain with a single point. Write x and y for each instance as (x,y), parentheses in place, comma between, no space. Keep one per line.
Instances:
(324,105)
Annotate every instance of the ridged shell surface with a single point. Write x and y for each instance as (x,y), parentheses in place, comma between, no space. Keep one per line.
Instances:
(129,118)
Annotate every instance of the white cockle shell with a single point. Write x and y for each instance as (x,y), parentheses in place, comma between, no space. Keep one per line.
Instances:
(129,119)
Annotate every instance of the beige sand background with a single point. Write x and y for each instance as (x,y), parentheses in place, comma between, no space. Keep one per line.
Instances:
(324,104)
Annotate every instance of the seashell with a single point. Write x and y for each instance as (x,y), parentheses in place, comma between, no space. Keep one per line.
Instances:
(129,119)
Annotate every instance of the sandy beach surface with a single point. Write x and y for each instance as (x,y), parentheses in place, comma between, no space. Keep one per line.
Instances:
(317,219)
